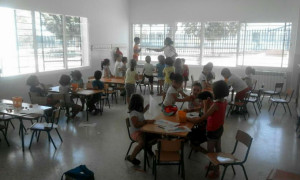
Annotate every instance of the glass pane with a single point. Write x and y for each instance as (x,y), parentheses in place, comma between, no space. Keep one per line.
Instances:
(49,36)
(220,43)
(73,40)
(24,36)
(263,44)
(8,44)
(187,42)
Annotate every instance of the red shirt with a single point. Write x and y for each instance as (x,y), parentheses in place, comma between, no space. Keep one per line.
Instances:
(216,120)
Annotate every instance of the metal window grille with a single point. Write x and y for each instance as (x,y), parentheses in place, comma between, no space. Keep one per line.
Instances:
(228,43)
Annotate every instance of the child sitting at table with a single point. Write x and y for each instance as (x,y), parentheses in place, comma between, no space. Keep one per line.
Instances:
(97,85)
(249,71)
(174,89)
(77,79)
(137,121)
(64,88)
(105,68)
(160,76)
(215,116)
(36,87)
(148,72)
(238,85)
(195,104)
(39,89)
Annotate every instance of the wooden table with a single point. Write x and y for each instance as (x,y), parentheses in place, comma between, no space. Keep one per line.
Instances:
(154,129)
(80,92)
(15,112)
(278,174)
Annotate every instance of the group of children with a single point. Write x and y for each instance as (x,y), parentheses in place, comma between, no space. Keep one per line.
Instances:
(206,97)
(65,83)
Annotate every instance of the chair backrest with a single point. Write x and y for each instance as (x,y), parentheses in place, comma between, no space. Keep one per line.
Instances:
(245,139)
(169,145)
(279,86)
(36,99)
(55,117)
(128,126)
(89,85)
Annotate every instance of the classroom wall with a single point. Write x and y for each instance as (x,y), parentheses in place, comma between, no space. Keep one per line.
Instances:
(108,25)
(170,11)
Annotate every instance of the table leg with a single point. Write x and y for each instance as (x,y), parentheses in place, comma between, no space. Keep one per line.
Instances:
(145,152)
(22,133)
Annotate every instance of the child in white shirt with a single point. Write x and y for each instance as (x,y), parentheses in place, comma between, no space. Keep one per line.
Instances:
(148,72)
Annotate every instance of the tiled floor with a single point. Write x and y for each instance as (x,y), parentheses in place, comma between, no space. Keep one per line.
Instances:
(102,148)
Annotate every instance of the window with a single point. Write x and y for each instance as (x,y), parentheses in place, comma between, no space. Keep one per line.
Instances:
(229,43)
(37,42)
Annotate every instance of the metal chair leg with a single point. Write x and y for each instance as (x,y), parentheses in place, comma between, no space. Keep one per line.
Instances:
(51,139)
(129,149)
(275,109)
(59,135)
(289,109)
(208,169)
(283,107)
(190,153)
(225,168)
(5,138)
(254,108)
(233,169)
(31,138)
(244,172)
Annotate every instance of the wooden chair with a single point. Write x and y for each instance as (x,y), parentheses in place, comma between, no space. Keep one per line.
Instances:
(7,120)
(255,100)
(35,99)
(141,82)
(242,106)
(170,152)
(110,91)
(277,91)
(132,140)
(286,100)
(47,127)
(228,159)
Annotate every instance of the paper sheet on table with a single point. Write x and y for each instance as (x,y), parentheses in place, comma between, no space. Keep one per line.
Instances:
(165,123)
(154,109)
(34,110)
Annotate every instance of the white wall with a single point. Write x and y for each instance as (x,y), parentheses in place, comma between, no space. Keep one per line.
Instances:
(108,24)
(170,11)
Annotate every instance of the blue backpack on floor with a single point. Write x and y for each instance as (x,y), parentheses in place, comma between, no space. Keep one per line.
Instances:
(79,173)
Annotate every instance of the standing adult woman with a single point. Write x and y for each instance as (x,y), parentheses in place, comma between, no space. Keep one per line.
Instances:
(168,49)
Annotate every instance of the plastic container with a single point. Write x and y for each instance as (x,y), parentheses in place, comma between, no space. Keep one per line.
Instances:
(182,116)
(170,110)
(74,86)
(17,101)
